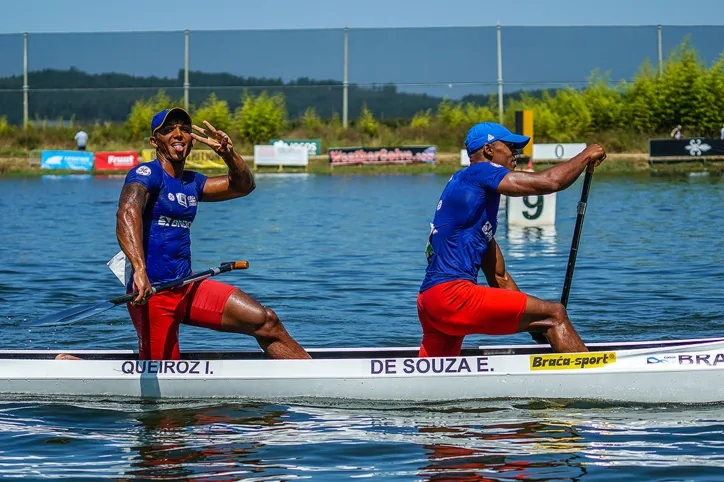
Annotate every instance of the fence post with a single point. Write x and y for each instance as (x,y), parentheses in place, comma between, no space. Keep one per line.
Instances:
(661,52)
(186,70)
(345,84)
(500,76)
(26,88)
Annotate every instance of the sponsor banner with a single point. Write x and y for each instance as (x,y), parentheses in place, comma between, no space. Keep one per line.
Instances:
(696,147)
(464,158)
(556,152)
(280,155)
(115,161)
(382,155)
(198,159)
(576,361)
(313,146)
(72,160)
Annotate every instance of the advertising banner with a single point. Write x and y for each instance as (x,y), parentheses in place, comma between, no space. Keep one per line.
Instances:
(557,152)
(313,146)
(694,147)
(115,161)
(382,155)
(198,159)
(279,155)
(71,160)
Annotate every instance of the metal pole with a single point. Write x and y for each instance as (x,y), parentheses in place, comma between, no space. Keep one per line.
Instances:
(500,76)
(661,52)
(26,88)
(345,85)
(186,70)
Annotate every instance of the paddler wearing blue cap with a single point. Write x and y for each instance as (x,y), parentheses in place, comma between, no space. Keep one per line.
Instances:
(156,209)
(450,303)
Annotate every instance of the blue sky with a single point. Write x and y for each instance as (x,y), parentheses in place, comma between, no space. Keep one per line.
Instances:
(134,15)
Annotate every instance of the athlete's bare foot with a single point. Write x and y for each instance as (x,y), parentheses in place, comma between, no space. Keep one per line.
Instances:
(64,356)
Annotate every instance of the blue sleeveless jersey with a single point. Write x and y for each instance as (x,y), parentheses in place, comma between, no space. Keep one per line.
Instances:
(170,210)
(465,221)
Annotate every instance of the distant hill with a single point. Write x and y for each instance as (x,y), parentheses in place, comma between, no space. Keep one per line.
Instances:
(109,97)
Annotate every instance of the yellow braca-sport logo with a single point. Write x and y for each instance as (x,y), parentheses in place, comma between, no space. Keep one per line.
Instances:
(576,361)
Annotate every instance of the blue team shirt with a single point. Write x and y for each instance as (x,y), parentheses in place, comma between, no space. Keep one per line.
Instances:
(464,224)
(170,210)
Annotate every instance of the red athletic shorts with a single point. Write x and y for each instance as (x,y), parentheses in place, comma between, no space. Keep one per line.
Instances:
(157,322)
(449,311)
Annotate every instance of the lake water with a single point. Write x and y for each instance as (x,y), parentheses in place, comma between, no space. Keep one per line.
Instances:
(340,259)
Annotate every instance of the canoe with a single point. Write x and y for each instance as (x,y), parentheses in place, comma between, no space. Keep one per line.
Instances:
(683,371)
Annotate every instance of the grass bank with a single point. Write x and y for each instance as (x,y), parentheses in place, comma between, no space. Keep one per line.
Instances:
(448,163)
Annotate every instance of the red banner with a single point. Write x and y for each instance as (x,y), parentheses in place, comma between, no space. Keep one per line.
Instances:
(115,161)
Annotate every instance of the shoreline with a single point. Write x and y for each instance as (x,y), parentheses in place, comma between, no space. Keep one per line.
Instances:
(448,163)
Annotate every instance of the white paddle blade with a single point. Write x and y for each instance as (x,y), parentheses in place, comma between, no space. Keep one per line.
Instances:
(71,315)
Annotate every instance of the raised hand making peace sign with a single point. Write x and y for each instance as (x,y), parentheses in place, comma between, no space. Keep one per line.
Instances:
(217,140)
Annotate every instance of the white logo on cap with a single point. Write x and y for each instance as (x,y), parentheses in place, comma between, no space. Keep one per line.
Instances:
(491,137)
(144,171)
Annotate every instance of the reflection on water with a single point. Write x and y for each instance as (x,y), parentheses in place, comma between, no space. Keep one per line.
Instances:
(529,241)
(492,441)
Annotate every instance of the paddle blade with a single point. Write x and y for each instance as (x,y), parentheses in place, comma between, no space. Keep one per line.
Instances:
(71,315)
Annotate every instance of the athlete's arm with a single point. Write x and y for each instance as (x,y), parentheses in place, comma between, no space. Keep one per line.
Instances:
(493,266)
(239,181)
(129,231)
(554,179)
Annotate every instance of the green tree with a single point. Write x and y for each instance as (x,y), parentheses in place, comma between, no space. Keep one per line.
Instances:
(641,101)
(572,115)
(261,118)
(311,120)
(604,102)
(367,122)
(709,113)
(139,120)
(681,89)
(422,119)
(216,112)
(450,114)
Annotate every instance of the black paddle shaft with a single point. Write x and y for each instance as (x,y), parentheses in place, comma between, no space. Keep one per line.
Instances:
(577,234)
(222,268)
(76,313)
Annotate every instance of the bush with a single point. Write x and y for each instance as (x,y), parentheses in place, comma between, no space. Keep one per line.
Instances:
(261,118)
(216,112)
(367,122)
(142,112)
(311,121)
(422,119)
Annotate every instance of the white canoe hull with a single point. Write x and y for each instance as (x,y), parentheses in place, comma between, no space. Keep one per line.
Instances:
(690,371)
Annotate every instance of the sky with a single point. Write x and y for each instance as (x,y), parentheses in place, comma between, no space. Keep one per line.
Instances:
(134,15)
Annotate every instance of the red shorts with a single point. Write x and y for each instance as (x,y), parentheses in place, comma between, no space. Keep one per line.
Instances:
(199,304)
(449,311)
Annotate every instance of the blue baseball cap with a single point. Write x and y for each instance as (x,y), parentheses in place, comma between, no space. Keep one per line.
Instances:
(488,132)
(161,117)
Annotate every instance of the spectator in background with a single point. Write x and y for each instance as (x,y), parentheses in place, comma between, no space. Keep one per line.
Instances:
(81,138)
(676,133)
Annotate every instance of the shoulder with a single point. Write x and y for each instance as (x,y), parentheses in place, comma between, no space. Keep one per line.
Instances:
(147,174)
(487,174)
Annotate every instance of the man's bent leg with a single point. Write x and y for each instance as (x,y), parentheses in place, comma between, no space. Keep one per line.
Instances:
(222,307)
(157,323)
(551,319)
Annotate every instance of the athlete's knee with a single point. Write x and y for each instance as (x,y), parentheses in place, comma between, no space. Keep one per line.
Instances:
(559,313)
(272,326)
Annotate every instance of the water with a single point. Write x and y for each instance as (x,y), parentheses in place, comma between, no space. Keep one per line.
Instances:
(340,259)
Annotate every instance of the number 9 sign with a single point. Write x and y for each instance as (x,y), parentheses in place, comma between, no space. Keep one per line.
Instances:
(531,210)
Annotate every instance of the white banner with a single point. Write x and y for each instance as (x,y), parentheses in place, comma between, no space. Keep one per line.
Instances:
(556,152)
(279,155)
(464,159)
